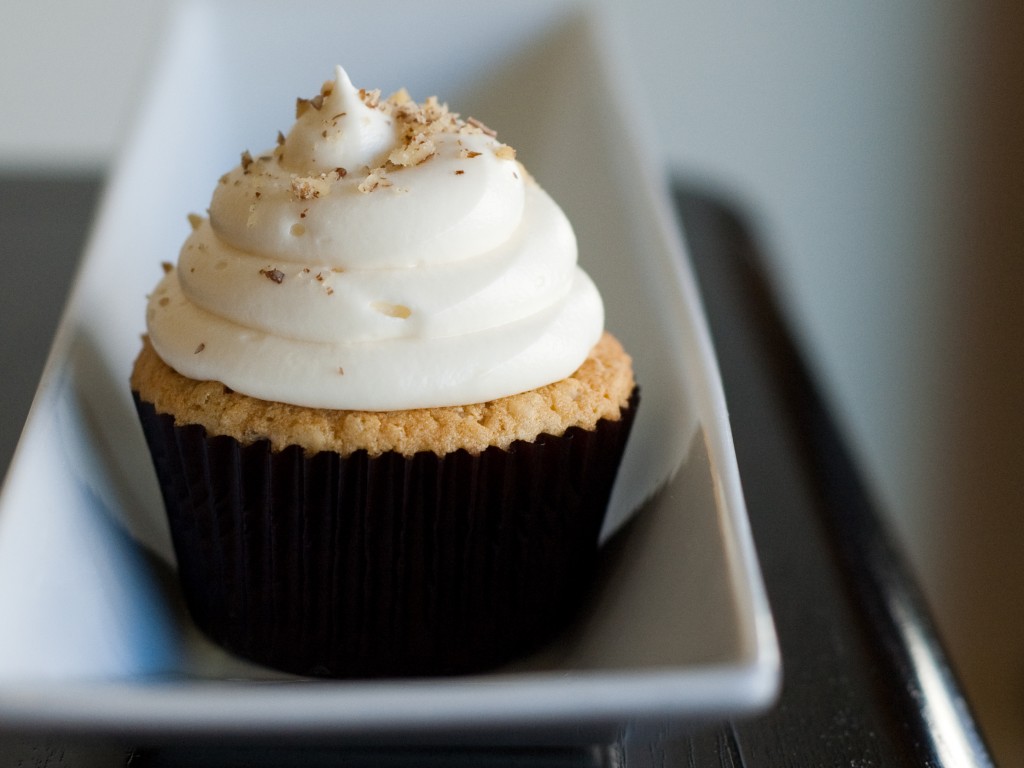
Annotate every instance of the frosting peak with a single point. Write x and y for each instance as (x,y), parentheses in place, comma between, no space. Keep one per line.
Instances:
(384,255)
(341,127)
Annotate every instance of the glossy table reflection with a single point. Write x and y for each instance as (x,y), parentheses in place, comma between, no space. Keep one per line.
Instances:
(865,680)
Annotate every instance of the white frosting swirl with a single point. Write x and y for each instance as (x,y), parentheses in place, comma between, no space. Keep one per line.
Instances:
(381,257)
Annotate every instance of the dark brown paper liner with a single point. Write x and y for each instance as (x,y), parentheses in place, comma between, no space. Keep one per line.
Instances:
(386,566)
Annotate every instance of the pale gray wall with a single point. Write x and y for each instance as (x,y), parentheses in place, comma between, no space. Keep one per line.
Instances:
(877,147)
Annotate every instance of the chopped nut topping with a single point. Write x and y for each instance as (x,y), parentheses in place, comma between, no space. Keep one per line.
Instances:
(414,151)
(459,172)
(505,152)
(275,275)
(200,348)
(375,179)
(468,153)
(280,139)
(302,106)
(246,161)
(166,266)
(428,118)
(341,172)
(483,128)
(370,98)
(434,110)
(399,97)
(194,219)
(308,188)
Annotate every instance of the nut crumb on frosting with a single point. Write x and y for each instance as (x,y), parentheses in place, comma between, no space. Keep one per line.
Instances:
(375,179)
(483,128)
(275,275)
(370,98)
(308,188)
(302,106)
(194,220)
(414,151)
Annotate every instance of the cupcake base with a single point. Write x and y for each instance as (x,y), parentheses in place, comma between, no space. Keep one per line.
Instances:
(391,565)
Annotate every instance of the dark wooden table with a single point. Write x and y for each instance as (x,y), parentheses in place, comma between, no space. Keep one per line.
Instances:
(865,680)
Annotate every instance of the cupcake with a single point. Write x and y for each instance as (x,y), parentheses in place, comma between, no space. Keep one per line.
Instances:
(382,407)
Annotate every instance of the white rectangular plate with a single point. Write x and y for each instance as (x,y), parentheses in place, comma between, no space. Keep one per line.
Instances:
(93,638)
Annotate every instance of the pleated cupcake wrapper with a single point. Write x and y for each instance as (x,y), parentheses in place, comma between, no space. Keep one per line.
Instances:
(364,566)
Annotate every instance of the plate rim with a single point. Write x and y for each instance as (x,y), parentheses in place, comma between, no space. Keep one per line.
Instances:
(749,685)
